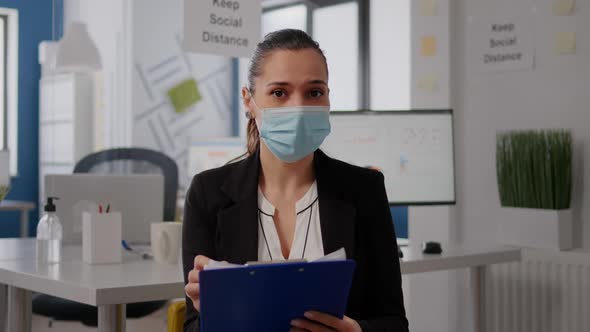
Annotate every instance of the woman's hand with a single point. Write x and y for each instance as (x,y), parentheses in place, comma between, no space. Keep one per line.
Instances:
(320,322)
(192,287)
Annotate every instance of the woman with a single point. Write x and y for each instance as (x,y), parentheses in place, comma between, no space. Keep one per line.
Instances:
(287,199)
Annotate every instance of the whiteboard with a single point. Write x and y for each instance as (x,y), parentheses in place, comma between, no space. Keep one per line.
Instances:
(413,150)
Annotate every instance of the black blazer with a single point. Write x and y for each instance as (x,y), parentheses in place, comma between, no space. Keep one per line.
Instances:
(220,221)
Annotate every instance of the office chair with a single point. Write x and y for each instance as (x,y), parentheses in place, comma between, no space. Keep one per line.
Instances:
(116,161)
(136,161)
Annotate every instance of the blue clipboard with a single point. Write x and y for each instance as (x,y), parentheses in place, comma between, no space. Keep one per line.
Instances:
(267,297)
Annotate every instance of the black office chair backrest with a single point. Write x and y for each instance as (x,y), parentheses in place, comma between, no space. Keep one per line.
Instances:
(136,161)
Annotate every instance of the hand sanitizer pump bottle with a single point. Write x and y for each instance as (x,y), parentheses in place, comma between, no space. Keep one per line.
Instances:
(49,235)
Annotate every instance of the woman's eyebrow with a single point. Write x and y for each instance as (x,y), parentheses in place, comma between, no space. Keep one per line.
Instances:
(317,82)
(287,83)
(278,83)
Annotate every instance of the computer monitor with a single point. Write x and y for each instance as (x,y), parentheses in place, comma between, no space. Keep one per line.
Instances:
(139,198)
(413,150)
(208,153)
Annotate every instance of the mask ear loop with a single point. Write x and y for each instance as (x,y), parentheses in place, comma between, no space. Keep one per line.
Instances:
(248,113)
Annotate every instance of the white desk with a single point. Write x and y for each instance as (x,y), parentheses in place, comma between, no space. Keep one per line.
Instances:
(414,261)
(111,286)
(108,287)
(24,208)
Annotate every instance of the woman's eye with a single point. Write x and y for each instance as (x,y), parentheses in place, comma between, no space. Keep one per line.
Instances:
(278,93)
(316,93)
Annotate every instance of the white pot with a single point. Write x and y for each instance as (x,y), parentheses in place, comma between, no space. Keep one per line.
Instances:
(536,228)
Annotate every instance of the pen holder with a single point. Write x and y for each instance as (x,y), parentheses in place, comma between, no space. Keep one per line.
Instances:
(101,237)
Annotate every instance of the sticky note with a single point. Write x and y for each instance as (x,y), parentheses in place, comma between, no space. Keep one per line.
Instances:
(184,95)
(563,7)
(565,43)
(428,83)
(428,7)
(428,46)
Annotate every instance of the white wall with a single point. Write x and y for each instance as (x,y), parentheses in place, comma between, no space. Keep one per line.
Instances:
(430,75)
(553,94)
(431,296)
(139,42)
(340,45)
(390,25)
(108,23)
(158,64)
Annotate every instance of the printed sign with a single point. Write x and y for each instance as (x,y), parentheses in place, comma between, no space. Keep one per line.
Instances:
(502,44)
(224,27)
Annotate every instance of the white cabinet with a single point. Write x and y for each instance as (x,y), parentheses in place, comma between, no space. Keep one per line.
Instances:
(65,123)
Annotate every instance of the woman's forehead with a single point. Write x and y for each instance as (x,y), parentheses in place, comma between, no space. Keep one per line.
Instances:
(293,66)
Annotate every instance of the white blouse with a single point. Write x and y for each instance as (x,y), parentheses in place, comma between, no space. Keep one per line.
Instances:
(307,241)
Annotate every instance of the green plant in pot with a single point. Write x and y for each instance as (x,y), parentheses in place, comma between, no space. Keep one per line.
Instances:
(534,168)
(534,173)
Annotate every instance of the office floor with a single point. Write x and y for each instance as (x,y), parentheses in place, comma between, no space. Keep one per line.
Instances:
(155,322)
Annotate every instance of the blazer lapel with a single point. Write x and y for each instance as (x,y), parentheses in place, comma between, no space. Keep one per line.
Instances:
(237,231)
(337,215)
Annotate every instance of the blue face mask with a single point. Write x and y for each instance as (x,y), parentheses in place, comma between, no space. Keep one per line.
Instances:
(292,133)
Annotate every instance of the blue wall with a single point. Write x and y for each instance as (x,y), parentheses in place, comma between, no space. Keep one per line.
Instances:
(35,25)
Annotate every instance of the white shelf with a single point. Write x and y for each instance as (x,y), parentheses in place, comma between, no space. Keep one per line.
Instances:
(65,123)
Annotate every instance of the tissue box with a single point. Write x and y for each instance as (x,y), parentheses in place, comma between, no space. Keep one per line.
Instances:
(101,237)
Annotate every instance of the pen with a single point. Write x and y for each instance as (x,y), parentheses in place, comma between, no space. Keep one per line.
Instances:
(143,255)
